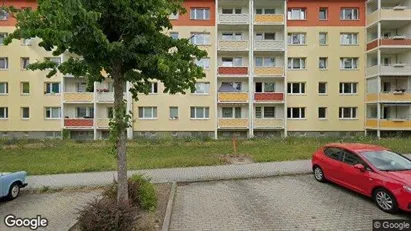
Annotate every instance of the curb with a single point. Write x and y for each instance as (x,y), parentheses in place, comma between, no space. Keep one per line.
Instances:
(169,210)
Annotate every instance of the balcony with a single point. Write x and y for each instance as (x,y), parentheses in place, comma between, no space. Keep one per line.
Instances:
(232,123)
(78,123)
(276,19)
(103,123)
(268,123)
(396,96)
(373,97)
(233,45)
(371,123)
(233,97)
(398,69)
(269,97)
(233,19)
(233,70)
(395,124)
(78,97)
(107,97)
(269,71)
(393,42)
(390,14)
(269,45)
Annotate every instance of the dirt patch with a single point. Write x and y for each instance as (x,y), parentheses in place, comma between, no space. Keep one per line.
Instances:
(236,159)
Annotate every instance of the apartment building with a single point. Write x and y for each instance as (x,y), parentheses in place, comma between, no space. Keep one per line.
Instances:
(274,68)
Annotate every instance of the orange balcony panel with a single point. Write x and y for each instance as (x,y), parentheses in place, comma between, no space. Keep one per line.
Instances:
(372,97)
(78,122)
(233,97)
(269,123)
(396,42)
(274,18)
(371,123)
(372,45)
(396,124)
(269,71)
(233,70)
(395,97)
(78,97)
(103,123)
(269,96)
(232,123)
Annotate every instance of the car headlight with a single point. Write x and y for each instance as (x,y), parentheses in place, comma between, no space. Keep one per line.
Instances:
(407,188)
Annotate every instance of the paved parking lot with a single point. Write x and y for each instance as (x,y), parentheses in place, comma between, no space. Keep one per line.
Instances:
(279,203)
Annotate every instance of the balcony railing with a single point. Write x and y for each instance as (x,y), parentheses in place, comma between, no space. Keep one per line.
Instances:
(269,45)
(107,97)
(372,97)
(389,124)
(78,97)
(232,123)
(233,97)
(396,96)
(269,19)
(233,70)
(241,45)
(394,41)
(103,123)
(78,123)
(269,71)
(234,19)
(269,123)
(399,13)
(371,123)
(269,97)
(398,69)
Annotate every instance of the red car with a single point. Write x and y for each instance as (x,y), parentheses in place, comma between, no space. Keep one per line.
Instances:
(371,170)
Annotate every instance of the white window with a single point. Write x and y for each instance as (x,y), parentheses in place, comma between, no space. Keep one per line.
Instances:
(231,36)
(296,113)
(231,112)
(296,38)
(3,15)
(349,39)
(296,63)
(296,88)
(25,113)
(348,88)
(265,36)
(173,16)
(147,112)
(323,63)
(323,38)
(265,87)
(265,61)
(200,38)
(199,112)
(200,14)
(24,62)
(204,63)
(296,14)
(53,113)
(265,11)
(54,60)
(25,88)
(173,113)
(348,113)
(2,37)
(81,87)
(174,35)
(4,88)
(202,88)
(349,14)
(236,85)
(322,113)
(26,42)
(348,63)
(232,61)
(4,63)
(52,88)
(84,112)
(264,112)
(154,88)
(4,112)
(232,11)
(322,88)
(323,14)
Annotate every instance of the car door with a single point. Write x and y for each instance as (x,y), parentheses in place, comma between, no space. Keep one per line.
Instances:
(332,163)
(353,178)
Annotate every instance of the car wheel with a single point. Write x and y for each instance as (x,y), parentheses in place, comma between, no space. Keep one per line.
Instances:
(385,201)
(318,174)
(14,191)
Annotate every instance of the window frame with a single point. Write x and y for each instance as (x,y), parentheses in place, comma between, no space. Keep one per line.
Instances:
(22,84)
(233,36)
(154,113)
(325,87)
(51,113)
(264,59)
(49,88)
(263,34)
(353,88)
(173,16)
(169,113)
(6,62)
(326,13)
(325,59)
(22,111)
(325,113)
(4,16)
(353,113)
(301,113)
(326,38)
(206,113)
(206,38)
(203,61)
(235,113)
(301,86)
(174,33)
(302,63)
(196,9)
(354,63)
(263,11)
(3,35)
(301,10)
(5,112)
(290,38)
(6,88)
(351,35)
(353,10)
(207,87)
(154,88)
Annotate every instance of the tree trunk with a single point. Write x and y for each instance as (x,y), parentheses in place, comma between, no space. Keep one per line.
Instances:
(121,147)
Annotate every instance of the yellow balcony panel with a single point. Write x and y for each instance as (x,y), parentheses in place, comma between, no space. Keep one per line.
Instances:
(233,45)
(400,97)
(396,14)
(397,124)
(372,97)
(232,123)
(372,18)
(269,123)
(76,97)
(269,71)
(233,97)
(103,123)
(371,123)
(269,19)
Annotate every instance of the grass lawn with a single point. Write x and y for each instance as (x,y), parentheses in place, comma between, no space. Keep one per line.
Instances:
(52,157)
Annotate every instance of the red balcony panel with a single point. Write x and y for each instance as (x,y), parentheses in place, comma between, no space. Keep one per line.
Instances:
(272,96)
(78,123)
(233,70)
(372,45)
(396,42)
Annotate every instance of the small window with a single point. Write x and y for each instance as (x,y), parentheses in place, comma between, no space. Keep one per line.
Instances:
(349,39)
(204,63)
(269,112)
(230,61)
(4,63)
(296,14)
(202,88)
(174,35)
(199,112)
(323,38)
(200,38)
(4,112)
(334,153)
(296,38)
(26,42)
(296,113)
(348,113)
(296,63)
(147,112)
(25,61)
(200,14)
(52,88)
(322,113)
(173,16)
(322,88)
(349,14)
(25,113)
(53,113)
(323,14)
(231,112)
(3,15)
(348,88)
(258,112)
(173,113)
(265,62)
(2,37)
(265,36)
(265,87)
(349,63)
(56,60)
(231,36)
(296,88)
(323,63)
(4,88)
(25,88)
(154,88)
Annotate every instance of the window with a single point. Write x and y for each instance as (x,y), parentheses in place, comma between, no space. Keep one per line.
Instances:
(334,153)
(154,88)
(81,87)
(322,113)
(173,16)
(295,88)
(26,42)
(3,15)
(24,62)
(349,39)
(199,112)
(349,14)
(4,88)
(296,63)
(230,61)
(348,113)
(147,112)
(53,113)
(110,112)
(232,36)
(265,87)
(54,60)
(323,14)
(4,112)
(351,158)
(236,85)
(25,113)
(231,112)
(296,113)
(265,61)
(323,63)
(25,88)
(200,38)
(348,63)
(265,36)
(52,88)
(200,14)
(2,37)
(296,14)
(264,112)
(323,38)
(296,38)
(322,88)
(265,11)
(202,88)
(231,11)
(173,113)
(4,63)
(174,35)
(204,63)
(348,88)
(84,112)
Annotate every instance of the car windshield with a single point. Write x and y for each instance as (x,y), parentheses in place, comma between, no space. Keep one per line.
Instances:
(387,160)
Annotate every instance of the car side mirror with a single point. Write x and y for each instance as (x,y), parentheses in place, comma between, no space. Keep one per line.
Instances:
(360,167)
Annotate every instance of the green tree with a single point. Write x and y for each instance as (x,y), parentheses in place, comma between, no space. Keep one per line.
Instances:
(125,40)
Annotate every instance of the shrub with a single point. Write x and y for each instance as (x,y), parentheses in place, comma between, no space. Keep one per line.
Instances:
(133,191)
(108,215)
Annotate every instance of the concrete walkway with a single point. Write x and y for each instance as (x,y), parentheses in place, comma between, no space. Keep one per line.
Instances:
(166,175)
